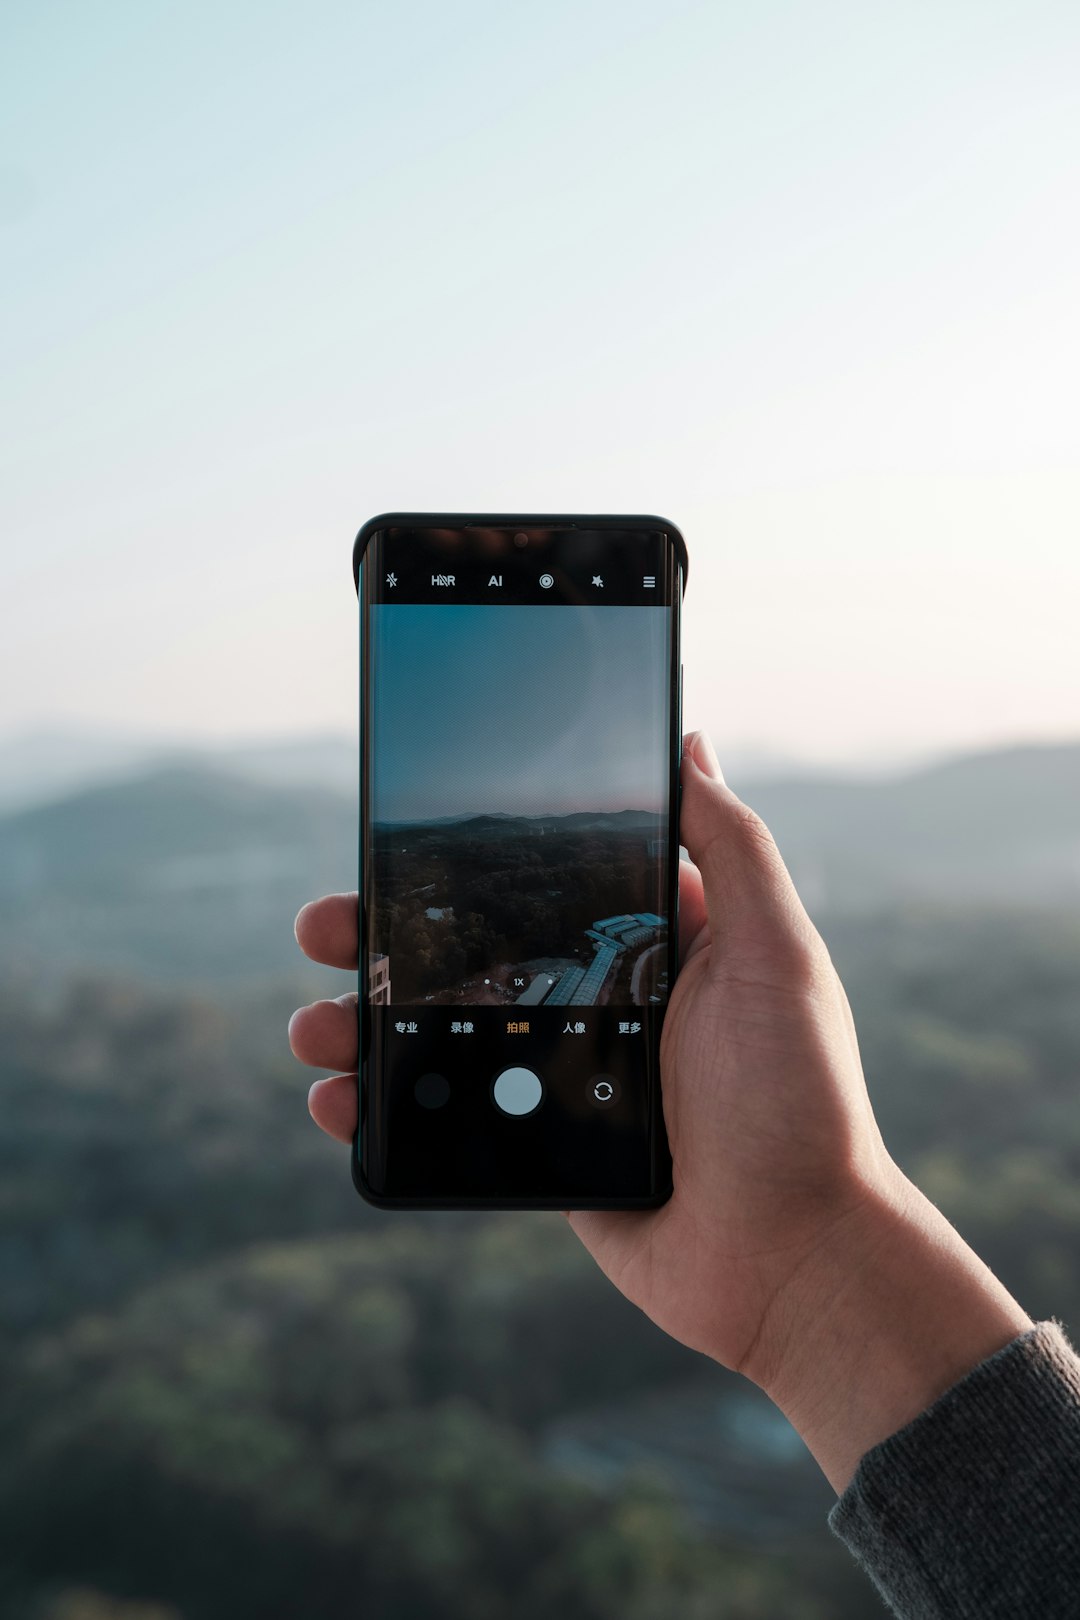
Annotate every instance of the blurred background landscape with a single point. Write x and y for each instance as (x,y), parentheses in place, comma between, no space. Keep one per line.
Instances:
(802,279)
(232,1389)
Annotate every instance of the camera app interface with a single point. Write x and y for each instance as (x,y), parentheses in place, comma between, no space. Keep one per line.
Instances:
(519,778)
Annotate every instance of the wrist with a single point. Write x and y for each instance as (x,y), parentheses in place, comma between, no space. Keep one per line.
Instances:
(888,1312)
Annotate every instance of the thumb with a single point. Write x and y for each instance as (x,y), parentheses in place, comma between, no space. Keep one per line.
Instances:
(746,884)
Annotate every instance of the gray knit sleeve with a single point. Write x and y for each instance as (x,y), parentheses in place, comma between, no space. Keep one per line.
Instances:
(973,1509)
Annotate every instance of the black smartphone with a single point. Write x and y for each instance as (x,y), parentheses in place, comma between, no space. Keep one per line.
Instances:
(520,700)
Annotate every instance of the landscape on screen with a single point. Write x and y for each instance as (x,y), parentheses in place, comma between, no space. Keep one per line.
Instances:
(491,910)
(519,780)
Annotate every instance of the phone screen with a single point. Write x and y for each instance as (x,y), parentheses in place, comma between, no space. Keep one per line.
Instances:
(520,737)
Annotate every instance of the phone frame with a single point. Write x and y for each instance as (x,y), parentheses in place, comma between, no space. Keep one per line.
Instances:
(464,520)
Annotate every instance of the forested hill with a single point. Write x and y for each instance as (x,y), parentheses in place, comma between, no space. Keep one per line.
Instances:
(231,1391)
(180,875)
(191,874)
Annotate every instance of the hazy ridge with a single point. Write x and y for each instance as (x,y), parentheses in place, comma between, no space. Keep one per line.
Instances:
(193,873)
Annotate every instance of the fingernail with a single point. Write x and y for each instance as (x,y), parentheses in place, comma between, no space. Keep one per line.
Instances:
(703,754)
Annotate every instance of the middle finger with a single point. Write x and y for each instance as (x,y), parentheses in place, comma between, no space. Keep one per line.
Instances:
(325,1034)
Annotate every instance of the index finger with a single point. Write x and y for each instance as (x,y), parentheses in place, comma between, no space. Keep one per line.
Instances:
(327,930)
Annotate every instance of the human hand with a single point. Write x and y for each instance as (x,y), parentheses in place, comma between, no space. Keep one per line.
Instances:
(793,1249)
(773,1140)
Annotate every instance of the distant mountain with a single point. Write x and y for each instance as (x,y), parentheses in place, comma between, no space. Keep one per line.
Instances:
(1000,827)
(192,874)
(443,821)
(500,821)
(37,767)
(42,765)
(607,818)
(48,764)
(183,873)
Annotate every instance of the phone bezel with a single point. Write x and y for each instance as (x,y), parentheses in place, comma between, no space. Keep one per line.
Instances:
(511,520)
(459,520)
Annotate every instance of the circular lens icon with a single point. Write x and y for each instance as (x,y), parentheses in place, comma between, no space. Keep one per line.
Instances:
(546,582)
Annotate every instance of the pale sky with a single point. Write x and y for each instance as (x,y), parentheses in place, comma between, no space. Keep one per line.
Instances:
(804,278)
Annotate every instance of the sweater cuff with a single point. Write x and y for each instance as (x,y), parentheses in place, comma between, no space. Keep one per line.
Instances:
(973,1508)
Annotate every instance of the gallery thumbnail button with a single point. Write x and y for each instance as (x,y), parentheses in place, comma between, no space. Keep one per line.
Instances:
(432,1090)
